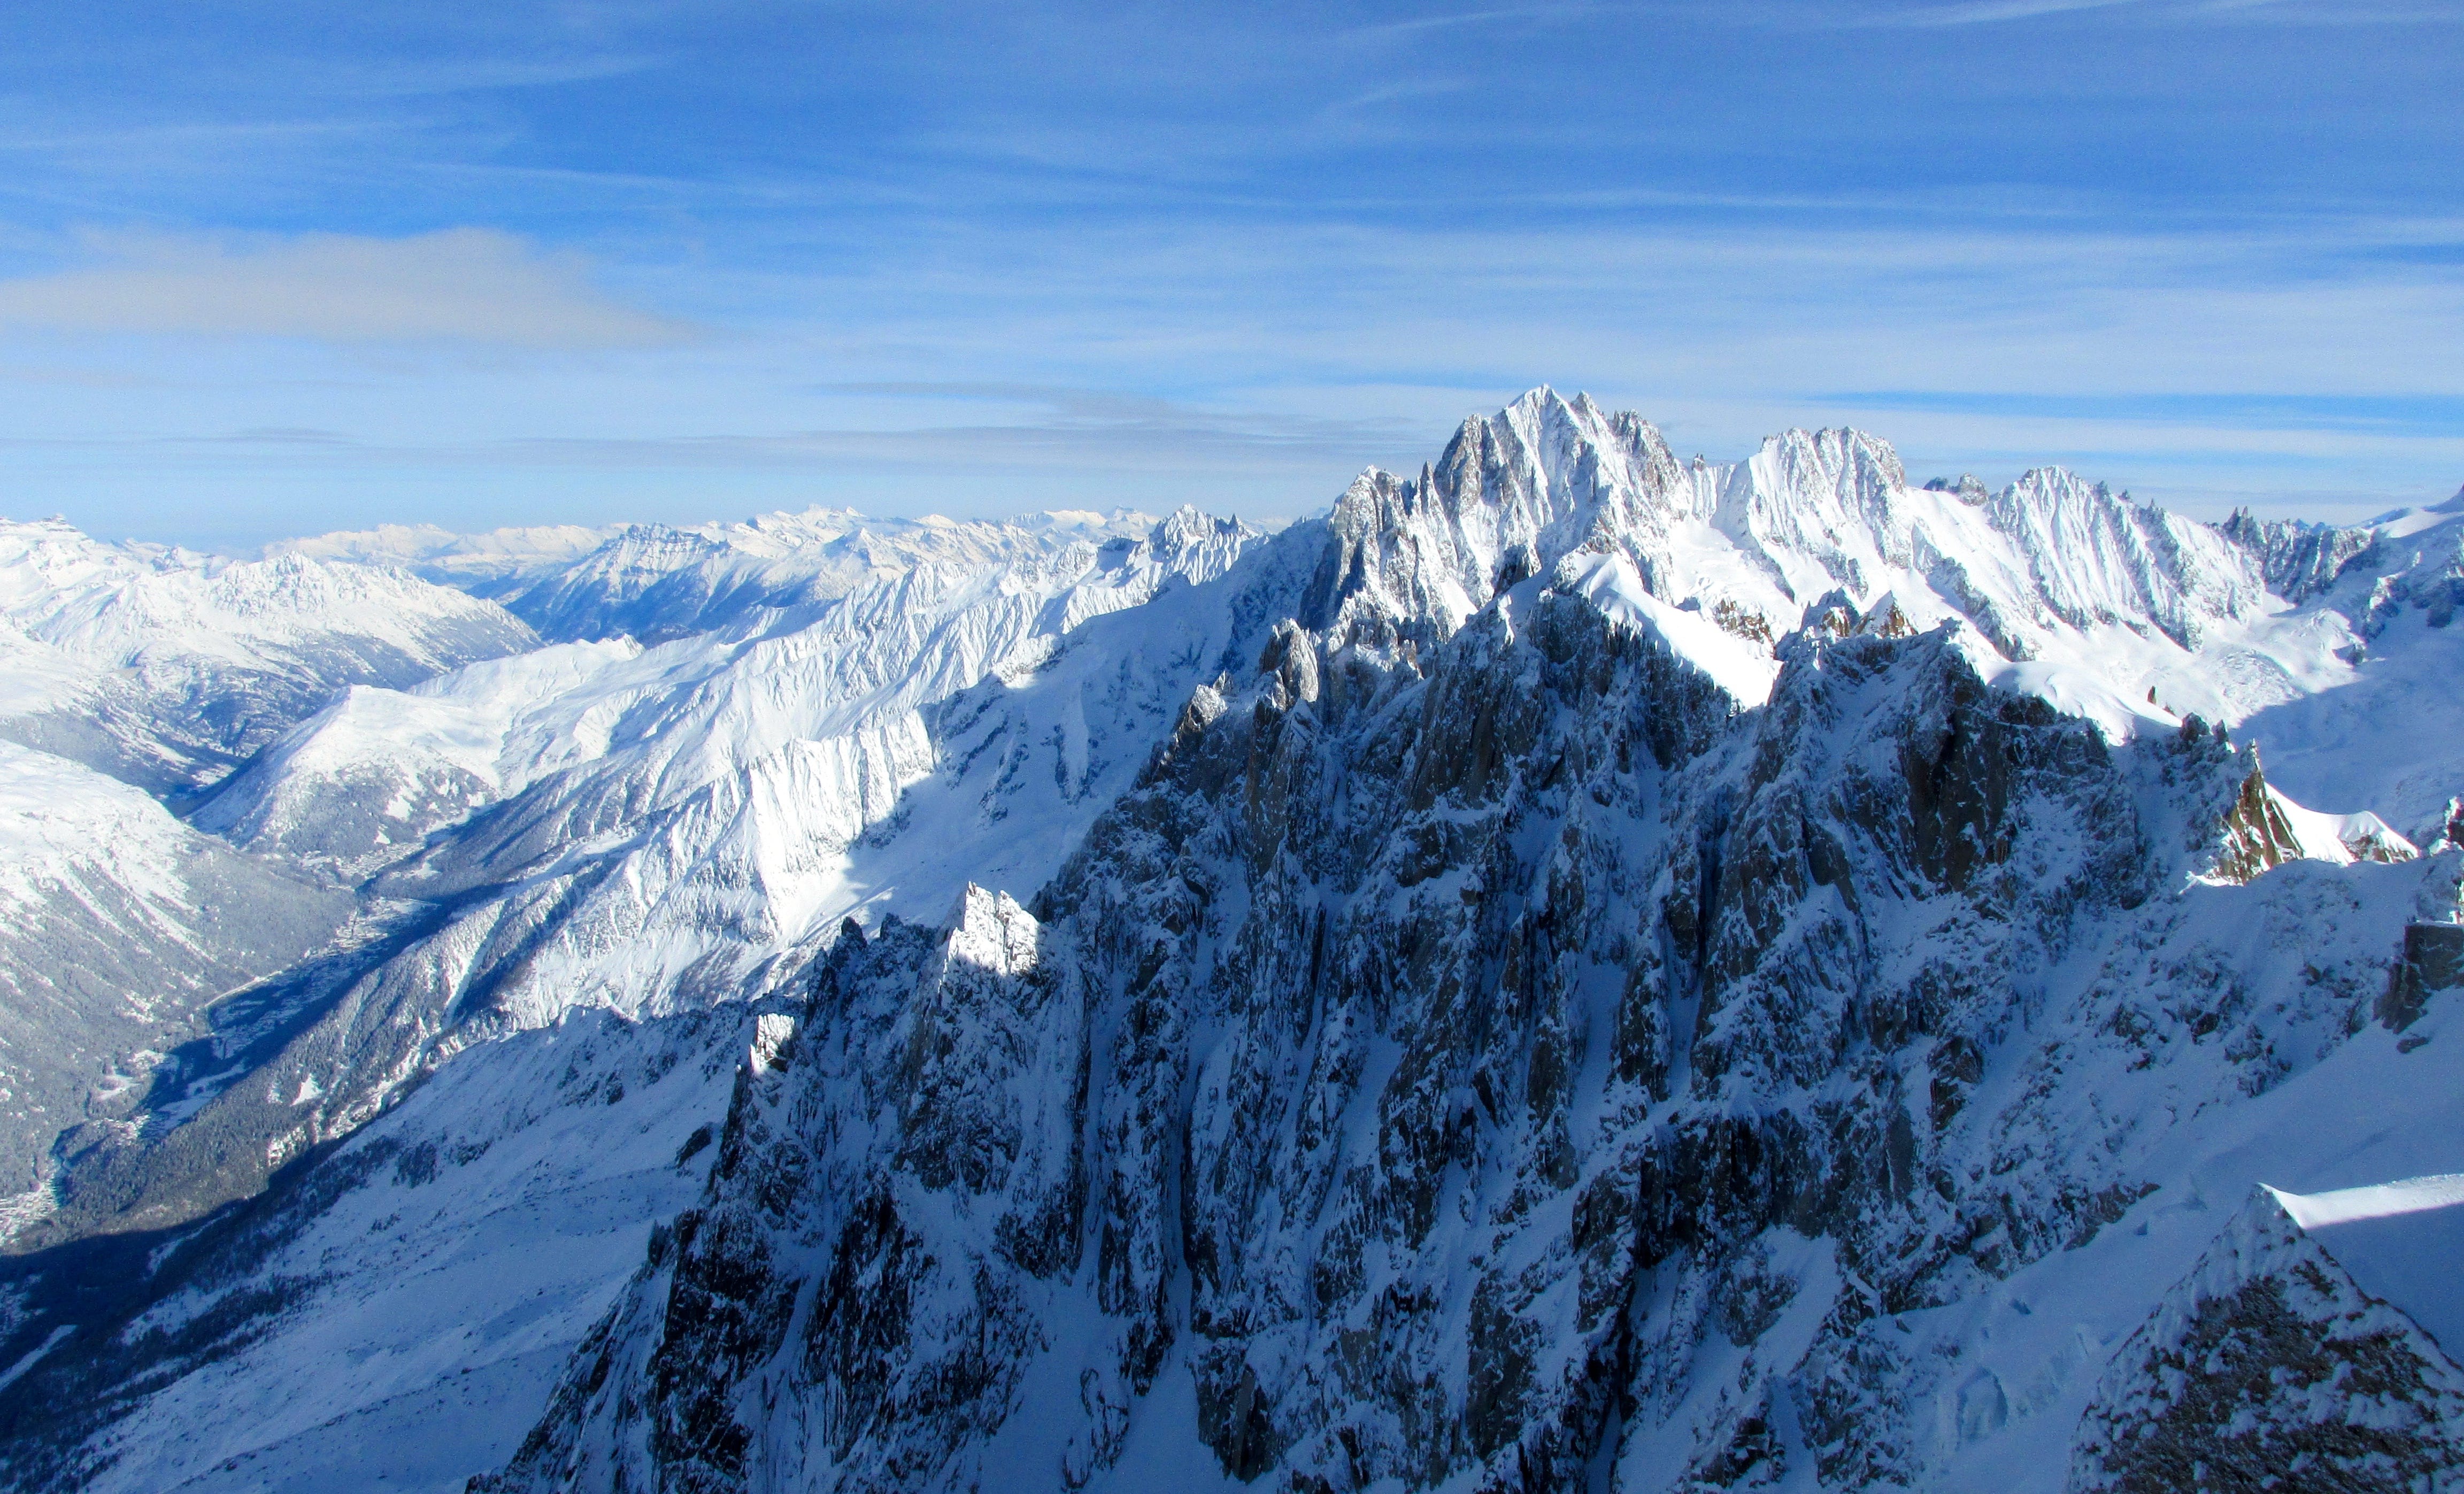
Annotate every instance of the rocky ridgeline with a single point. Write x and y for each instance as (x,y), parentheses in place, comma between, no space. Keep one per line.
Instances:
(2422,564)
(1484,1050)
(2269,1367)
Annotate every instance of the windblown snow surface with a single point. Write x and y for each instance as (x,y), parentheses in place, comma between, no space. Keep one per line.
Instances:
(1575,970)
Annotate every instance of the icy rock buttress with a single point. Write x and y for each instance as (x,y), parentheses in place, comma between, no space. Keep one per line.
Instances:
(1479,1052)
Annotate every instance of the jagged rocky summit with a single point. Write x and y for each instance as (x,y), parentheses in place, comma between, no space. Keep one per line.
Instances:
(1577,971)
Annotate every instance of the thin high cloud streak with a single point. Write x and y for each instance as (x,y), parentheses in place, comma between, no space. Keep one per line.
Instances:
(2164,12)
(2435,415)
(479,74)
(1089,125)
(1104,89)
(1000,424)
(2077,315)
(2210,313)
(1501,14)
(1046,412)
(1992,10)
(1828,15)
(458,285)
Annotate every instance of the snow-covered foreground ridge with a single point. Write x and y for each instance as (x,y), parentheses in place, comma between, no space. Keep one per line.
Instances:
(1576,970)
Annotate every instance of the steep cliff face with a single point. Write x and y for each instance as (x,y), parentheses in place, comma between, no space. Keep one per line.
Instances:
(2270,1366)
(1758,545)
(1505,1041)
(2299,560)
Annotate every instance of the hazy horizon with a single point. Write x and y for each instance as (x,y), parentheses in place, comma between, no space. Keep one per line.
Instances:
(244,547)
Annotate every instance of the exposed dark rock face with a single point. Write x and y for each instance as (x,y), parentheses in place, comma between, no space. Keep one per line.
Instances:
(2299,560)
(1539,1006)
(2432,961)
(2258,837)
(2268,1369)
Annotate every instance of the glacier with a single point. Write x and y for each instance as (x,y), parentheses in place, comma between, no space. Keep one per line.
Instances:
(1576,969)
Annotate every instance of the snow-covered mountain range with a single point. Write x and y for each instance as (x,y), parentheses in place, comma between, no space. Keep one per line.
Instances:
(1574,970)
(164,667)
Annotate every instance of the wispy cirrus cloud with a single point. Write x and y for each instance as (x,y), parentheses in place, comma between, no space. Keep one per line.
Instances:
(1987,12)
(1287,242)
(915,425)
(2435,415)
(476,286)
(1869,14)
(2320,13)
(1541,13)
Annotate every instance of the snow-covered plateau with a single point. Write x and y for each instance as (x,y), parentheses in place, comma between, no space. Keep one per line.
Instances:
(1574,970)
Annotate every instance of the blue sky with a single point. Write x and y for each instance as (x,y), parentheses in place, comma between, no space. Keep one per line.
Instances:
(269,268)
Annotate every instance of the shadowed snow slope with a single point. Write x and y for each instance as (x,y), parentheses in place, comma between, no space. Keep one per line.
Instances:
(2389,734)
(429,1279)
(2400,1240)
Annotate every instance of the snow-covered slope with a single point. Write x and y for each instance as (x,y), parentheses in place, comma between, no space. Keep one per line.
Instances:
(365,779)
(117,923)
(752,777)
(1486,1056)
(689,816)
(390,1317)
(1579,970)
(135,670)
(733,773)
(164,668)
(2387,735)
(2119,612)
(484,564)
(2060,587)
(2398,1239)
(656,583)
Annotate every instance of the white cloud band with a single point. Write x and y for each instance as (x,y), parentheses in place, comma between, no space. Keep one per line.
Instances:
(458,285)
